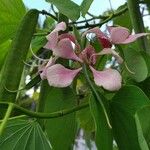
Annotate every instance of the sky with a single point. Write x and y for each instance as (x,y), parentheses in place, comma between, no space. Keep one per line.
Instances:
(97,7)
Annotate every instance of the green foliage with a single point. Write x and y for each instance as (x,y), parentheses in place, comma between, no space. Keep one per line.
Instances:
(124,105)
(11,12)
(85,119)
(103,133)
(136,64)
(85,5)
(24,134)
(143,116)
(67,8)
(48,23)
(13,66)
(3,51)
(60,131)
(125,22)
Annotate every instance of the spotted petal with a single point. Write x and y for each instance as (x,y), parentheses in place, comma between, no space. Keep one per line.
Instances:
(53,36)
(109,79)
(59,76)
(118,34)
(65,50)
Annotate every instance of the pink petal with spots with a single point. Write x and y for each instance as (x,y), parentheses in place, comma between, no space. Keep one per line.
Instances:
(134,37)
(65,50)
(59,76)
(109,79)
(118,34)
(112,52)
(53,36)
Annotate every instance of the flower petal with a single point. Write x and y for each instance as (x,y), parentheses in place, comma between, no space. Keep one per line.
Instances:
(134,37)
(118,34)
(65,50)
(113,52)
(53,36)
(109,79)
(69,36)
(52,40)
(87,53)
(43,67)
(59,76)
(60,27)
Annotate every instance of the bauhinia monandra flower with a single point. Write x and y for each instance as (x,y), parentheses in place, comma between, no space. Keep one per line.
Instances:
(62,46)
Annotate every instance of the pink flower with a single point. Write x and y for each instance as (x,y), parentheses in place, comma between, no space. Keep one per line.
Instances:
(118,35)
(59,76)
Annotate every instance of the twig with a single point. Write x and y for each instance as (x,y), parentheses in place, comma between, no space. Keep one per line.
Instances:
(104,21)
(44,12)
(44,115)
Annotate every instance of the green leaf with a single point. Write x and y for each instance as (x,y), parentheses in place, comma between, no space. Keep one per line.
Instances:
(48,22)
(3,51)
(136,63)
(140,116)
(11,13)
(147,60)
(68,8)
(124,105)
(85,119)
(141,138)
(85,5)
(123,19)
(61,131)
(103,132)
(23,135)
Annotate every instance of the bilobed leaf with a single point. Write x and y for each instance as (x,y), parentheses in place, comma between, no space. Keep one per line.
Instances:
(136,63)
(85,5)
(68,8)
(11,13)
(23,135)
(103,132)
(61,131)
(123,107)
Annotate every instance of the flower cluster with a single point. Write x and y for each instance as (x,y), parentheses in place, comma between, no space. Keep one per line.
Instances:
(62,46)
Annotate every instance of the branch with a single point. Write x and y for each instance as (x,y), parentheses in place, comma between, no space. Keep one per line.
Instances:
(87,25)
(44,115)
(4,121)
(43,12)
